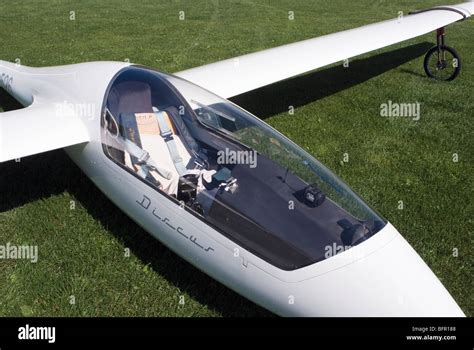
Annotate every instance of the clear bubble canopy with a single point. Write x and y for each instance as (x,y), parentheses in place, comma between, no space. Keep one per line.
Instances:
(231,170)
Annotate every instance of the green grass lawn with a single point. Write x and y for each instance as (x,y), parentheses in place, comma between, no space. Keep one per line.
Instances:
(46,201)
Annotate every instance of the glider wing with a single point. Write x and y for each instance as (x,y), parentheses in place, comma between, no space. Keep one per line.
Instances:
(39,128)
(235,76)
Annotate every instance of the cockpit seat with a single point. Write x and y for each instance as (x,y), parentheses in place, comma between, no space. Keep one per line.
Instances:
(130,102)
(154,143)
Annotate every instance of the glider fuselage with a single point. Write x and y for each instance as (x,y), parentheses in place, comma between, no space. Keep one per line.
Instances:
(380,275)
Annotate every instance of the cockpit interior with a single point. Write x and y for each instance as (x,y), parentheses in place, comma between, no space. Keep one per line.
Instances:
(230,169)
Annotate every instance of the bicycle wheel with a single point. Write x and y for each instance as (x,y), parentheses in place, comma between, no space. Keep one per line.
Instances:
(443,64)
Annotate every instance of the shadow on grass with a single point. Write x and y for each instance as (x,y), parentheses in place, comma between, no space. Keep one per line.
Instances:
(52,173)
(299,91)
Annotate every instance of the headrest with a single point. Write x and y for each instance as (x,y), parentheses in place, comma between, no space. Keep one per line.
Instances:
(132,97)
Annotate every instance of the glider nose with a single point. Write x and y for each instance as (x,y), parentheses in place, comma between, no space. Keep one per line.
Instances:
(392,281)
(409,285)
(403,285)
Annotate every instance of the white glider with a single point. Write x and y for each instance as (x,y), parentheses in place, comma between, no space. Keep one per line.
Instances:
(223,189)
